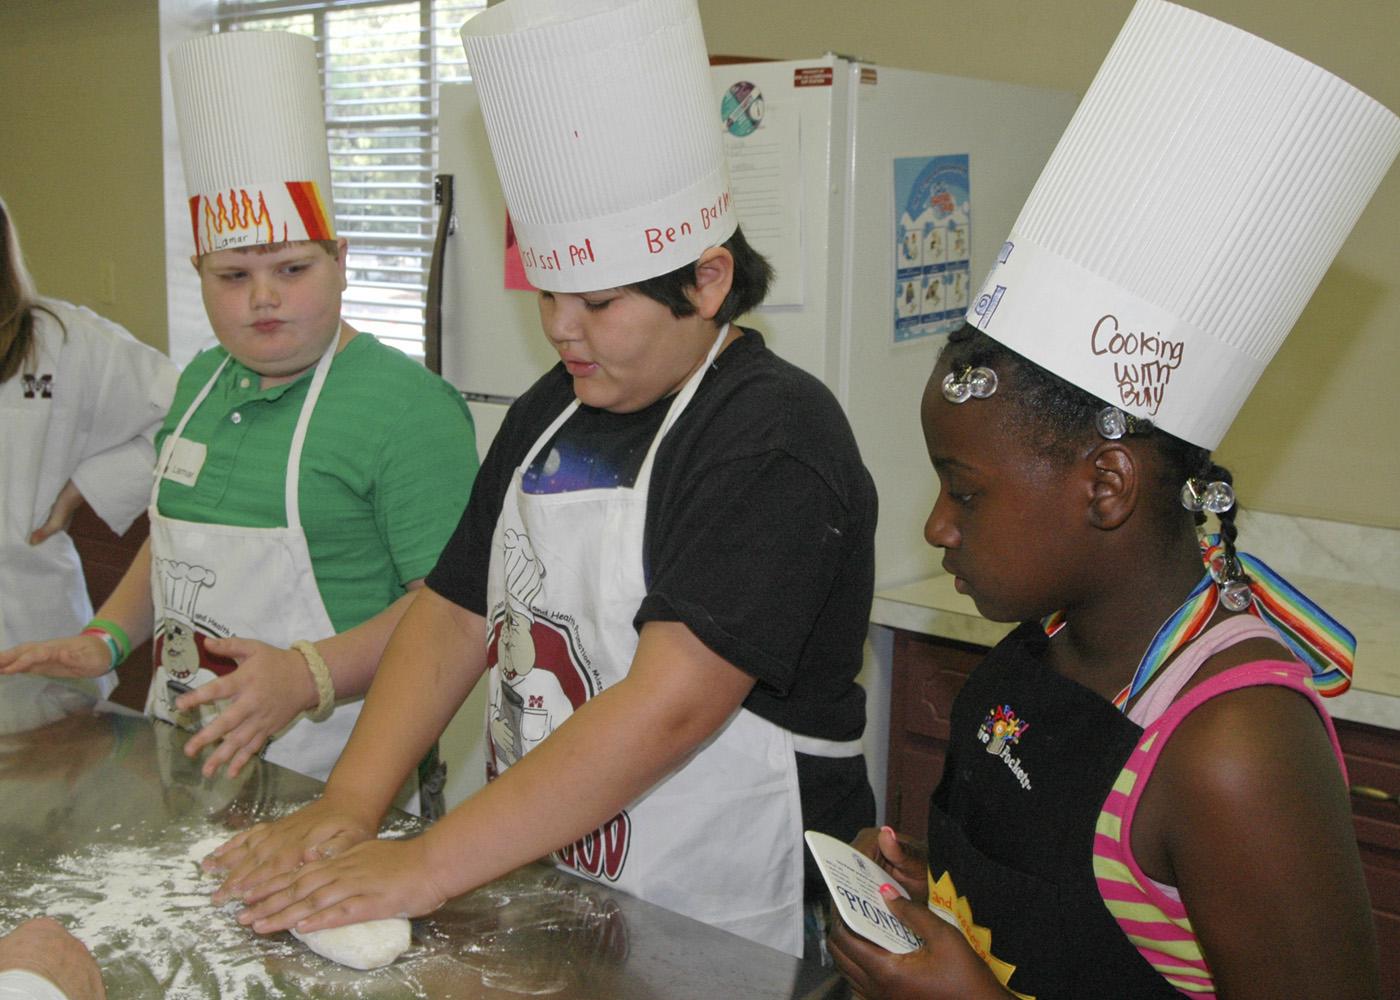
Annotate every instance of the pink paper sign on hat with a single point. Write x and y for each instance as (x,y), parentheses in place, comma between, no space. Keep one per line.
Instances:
(253,139)
(1188,213)
(601,119)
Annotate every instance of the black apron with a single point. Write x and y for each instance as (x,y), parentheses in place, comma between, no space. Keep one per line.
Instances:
(1012,824)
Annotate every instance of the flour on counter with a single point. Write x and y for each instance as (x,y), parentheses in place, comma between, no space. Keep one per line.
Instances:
(145,913)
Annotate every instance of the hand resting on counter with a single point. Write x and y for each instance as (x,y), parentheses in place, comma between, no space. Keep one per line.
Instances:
(43,946)
(72,656)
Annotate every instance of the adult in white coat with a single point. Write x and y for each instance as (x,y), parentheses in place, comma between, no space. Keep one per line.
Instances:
(80,402)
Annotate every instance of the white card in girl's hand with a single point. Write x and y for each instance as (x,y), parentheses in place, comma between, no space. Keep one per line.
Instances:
(854,882)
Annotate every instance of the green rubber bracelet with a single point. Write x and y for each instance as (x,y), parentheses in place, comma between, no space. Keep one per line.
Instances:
(118,635)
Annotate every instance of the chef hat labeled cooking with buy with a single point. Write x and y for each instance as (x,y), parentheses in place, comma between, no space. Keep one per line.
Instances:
(253,139)
(602,122)
(1191,207)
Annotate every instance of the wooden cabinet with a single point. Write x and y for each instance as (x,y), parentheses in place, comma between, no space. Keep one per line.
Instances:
(929,672)
(1373,762)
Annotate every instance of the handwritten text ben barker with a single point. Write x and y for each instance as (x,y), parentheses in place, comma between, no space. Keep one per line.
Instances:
(659,239)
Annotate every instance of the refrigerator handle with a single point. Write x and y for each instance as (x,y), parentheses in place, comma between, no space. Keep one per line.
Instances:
(432,312)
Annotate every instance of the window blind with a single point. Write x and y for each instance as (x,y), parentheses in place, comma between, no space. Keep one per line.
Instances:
(381,65)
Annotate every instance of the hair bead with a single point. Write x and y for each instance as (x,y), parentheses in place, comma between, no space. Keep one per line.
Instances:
(968,382)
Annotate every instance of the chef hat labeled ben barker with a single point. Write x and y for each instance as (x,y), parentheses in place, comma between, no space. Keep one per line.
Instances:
(605,131)
(1192,206)
(253,139)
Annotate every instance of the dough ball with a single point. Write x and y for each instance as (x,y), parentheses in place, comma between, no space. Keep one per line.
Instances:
(367,945)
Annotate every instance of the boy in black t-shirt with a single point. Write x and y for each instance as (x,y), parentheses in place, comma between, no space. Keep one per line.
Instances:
(666,567)
(761,515)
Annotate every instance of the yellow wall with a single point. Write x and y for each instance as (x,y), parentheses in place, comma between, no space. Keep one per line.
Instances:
(1318,436)
(79,112)
(80,162)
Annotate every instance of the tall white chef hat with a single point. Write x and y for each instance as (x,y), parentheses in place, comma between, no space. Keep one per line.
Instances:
(1190,209)
(603,125)
(253,137)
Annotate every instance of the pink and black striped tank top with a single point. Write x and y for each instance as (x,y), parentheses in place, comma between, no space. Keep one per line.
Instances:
(1150,913)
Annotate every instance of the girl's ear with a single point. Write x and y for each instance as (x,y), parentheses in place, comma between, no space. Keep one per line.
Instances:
(714,276)
(1117,478)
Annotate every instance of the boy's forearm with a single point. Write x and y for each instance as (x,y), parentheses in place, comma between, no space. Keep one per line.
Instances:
(676,696)
(431,662)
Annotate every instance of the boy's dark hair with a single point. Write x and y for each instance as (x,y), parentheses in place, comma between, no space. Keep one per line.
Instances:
(752,276)
(1059,416)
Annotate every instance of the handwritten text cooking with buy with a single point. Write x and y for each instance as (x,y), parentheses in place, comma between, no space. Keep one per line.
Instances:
(1146,365)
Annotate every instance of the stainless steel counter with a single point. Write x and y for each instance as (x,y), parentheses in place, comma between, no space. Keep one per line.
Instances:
(103,822)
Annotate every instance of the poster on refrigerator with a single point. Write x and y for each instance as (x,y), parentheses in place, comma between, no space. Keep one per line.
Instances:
(762,142)
(933,245)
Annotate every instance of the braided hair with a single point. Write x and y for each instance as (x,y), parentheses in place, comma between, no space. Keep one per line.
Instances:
(1060,416)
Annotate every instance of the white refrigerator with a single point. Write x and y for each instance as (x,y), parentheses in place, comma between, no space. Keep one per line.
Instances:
(880,195)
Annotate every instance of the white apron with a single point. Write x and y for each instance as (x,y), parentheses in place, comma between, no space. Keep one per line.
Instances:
(720,839)
(215,580)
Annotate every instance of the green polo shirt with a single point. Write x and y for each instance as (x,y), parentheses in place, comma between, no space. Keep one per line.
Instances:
(386,470)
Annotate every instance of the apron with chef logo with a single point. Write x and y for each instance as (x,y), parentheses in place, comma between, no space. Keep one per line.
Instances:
(720,838)
(1032,757)
(217,580)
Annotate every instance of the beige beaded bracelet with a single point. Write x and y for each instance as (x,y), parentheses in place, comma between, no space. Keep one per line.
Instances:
(321,676)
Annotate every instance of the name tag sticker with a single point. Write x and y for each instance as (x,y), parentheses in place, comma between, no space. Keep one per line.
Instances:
(186,458)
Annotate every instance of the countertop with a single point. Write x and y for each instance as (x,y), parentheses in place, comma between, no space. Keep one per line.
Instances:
(104,821)
(932,607)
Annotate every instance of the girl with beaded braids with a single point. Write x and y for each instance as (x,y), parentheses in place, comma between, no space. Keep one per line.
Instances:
(1143,796)
(1169,814)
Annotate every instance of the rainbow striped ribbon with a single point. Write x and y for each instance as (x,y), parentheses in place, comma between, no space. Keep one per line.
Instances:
(1314,636)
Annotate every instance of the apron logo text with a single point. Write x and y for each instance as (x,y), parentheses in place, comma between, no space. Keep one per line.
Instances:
(601,854)
(40,386)
(1000,731)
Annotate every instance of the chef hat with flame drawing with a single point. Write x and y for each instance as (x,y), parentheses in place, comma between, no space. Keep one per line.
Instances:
(253,138)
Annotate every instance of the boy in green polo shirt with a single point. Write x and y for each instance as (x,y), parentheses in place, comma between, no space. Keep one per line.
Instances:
(308,475)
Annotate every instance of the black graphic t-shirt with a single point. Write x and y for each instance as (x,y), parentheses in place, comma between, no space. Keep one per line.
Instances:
(760,538)
(595,449)
(759,531)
